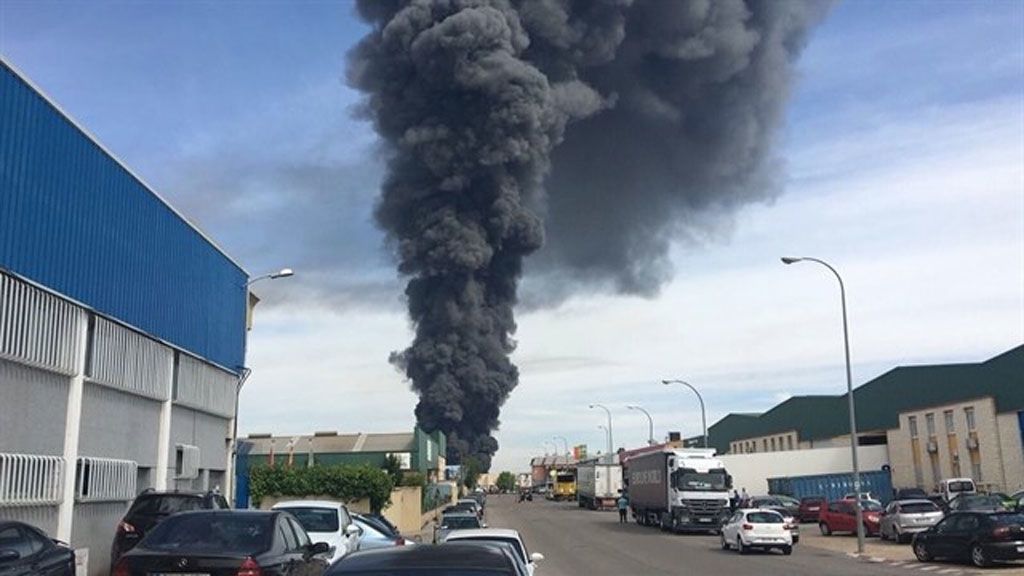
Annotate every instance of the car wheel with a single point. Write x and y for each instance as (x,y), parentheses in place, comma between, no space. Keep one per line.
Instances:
(787,550)
(825,530)
(922,552)
(900,538)
(979,557)
(725,543)
(740,547)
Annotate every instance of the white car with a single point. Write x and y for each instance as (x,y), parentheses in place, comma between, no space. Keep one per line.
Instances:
(499,535)
(326,521)
(757,528)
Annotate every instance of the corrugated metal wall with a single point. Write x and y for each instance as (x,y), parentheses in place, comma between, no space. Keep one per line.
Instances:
(119,425)
(74,220)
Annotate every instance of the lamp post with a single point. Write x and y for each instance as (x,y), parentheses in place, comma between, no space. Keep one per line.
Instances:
(650,422)
(555,446)
(565,442)
(607,434)
(244,375)
(703,413)
(609,413)
(849,394)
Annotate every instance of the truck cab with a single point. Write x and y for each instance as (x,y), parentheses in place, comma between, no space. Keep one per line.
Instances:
(700,491)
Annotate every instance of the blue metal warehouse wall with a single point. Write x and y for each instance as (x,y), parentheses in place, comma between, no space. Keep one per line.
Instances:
(74,220)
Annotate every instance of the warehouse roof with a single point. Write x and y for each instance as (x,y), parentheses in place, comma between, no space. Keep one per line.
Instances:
(881,400)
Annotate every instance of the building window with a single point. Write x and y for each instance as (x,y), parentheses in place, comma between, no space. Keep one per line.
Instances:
(773,444)
(789,442)
(764,443)
(913,426)
(971,423)
(976,471)
(929,421)
(948,415)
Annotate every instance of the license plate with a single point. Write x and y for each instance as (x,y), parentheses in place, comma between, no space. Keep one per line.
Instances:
(704,520)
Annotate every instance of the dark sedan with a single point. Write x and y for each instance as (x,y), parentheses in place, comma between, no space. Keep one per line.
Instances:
(978,503)
(982,538)
(446,560)
(226,543)
(26,551)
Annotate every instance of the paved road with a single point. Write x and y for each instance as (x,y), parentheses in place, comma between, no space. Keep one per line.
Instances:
(579,542)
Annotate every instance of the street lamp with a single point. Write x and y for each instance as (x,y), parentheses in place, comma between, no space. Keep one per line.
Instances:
(565,442)
(849,394)
(609,413)
(650,422)
(607,434)
(282,273)
(703,413)
(545,444)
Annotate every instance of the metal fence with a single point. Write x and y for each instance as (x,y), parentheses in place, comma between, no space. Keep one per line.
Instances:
(105,480)
(37,328)
(30,480)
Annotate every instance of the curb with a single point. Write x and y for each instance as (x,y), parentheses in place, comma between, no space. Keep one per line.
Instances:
(914,565)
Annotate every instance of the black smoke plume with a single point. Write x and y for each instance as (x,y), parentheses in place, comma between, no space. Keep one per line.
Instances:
(637,117)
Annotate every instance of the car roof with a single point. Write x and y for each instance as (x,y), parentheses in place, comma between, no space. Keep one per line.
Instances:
(914,501)
(753,510)
(484,532)
(459,514)
(266,513)
(308,504)
(447,556)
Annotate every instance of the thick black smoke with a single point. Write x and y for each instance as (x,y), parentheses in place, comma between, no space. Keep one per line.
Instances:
(641,116)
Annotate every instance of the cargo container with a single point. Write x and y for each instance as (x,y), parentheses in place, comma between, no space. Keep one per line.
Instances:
(834,486)
(598,483)
(678,489)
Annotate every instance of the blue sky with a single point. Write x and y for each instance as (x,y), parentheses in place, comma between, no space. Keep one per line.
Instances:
(903,149)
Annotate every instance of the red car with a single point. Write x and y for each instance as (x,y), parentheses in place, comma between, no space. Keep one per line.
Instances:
(810,508)
(841,516)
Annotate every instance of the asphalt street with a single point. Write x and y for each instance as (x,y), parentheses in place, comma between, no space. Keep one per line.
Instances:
(577,542)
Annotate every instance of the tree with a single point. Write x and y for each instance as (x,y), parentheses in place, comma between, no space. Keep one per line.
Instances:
(506,481)
(393,468)
(471,470)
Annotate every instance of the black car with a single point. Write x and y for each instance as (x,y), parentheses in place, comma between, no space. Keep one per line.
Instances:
(445,560)
(910,494)
(977,503)
(26,551)
(382,524)
(226,543)
(150,508)
(982,538)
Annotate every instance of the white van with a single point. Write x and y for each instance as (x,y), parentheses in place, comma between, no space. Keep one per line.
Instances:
(953,487)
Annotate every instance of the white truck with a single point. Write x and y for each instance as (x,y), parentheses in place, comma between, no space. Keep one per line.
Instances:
(598,483)
(678,489)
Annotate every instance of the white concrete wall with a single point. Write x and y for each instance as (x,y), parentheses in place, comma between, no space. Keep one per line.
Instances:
(752,471)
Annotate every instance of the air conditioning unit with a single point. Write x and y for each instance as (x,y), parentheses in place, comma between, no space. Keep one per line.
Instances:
(972,443)
(933,446)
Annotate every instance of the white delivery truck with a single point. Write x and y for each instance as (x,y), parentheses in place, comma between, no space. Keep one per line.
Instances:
(678,489)
(598,483)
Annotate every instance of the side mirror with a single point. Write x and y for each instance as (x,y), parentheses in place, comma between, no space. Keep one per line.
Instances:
(536,557)
(352,529)
(319,548)
(8,555)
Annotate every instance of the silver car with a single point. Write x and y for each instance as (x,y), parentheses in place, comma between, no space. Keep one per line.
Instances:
(904,518)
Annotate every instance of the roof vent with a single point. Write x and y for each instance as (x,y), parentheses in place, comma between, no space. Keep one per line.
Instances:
(323,433)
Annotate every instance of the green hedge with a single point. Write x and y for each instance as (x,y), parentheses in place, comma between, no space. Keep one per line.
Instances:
(346,483)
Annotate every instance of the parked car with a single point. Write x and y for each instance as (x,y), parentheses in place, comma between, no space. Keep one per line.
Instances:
(789,514)
(473,504)
(980,537)
(810,508)
(904,518)
(151,507)
(499,535)
(456,521)
(841,516)
(910,494)
(373,535)
(978,503)
(953,487)
(267,543)
(522,569)
(325,521)
(749,529)
(447,560)
(863,496)
(26,551)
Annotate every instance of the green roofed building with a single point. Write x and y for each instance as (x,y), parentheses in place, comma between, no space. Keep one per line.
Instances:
(938,421)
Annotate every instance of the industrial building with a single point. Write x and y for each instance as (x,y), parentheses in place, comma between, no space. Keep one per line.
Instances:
(935,422)
(122,333)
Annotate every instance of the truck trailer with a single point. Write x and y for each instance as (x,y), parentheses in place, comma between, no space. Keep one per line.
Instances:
(679,489)
(598,483)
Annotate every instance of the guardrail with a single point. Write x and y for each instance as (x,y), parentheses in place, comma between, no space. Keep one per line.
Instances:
(30,480)
(105,480)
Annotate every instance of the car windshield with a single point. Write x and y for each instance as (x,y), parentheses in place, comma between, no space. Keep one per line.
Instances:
(244,534)
(764,518)
(566,478)
(961,486)
(918,508)
(460,522)
(870,506)
(787,501)
(369,532)
(315,519)
(167,504)
(701,481)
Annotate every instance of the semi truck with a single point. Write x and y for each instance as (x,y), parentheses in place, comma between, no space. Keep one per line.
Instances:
(679,489)
(563,484)
(598,483)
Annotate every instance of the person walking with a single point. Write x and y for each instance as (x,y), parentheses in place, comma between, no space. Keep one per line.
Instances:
(744,498)
(623,505)
(734,500)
